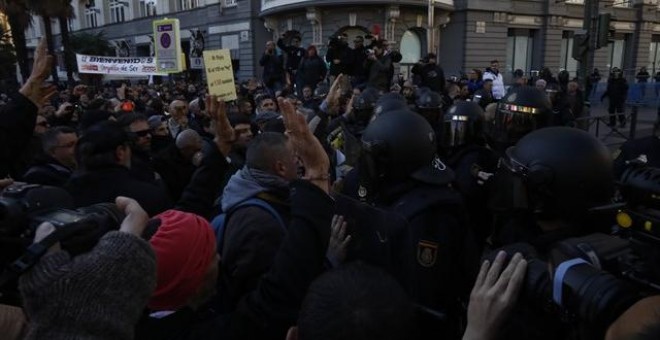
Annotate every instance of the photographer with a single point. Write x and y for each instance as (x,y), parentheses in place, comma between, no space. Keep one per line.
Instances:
(273,74)
(98,294)
(430,73)
(339,57)
(378,66)
(294,55)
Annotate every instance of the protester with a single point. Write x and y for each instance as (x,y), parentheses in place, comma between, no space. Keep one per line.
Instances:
(432,76)
(311,71)
(294,55)
(97,294)
(493,73)
(273,75)
(58,161)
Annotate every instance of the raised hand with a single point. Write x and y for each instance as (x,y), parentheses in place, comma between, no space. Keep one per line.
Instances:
(338,245)
(35,89)
(224,133)
(493,296)
(306,146)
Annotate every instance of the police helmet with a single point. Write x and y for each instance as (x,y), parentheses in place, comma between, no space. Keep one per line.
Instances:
(463,124)
(401,145)
(389,102)
(429,105)
(564,171)
(364,104)
(522,110)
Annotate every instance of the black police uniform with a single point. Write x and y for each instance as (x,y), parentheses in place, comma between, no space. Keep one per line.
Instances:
(399,173)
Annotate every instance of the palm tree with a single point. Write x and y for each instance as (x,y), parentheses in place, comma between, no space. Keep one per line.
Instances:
(62,10)
(20,20)
(66,13)
(90,44)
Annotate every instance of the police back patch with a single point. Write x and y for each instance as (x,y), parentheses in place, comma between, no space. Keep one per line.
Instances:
(427,253)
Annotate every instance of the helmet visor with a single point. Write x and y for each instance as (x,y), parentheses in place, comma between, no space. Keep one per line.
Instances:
(513,122)
(456,131)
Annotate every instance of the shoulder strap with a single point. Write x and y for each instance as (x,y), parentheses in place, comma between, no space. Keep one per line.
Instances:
(258,202)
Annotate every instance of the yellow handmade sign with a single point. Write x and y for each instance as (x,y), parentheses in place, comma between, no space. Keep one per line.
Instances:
(220,74)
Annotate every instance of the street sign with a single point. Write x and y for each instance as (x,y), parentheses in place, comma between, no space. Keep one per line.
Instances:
(168,46)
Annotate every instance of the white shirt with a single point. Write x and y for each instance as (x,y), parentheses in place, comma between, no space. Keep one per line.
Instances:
(498,84)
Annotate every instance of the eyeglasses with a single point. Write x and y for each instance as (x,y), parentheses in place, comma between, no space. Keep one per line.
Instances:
(68,145)
(142,133)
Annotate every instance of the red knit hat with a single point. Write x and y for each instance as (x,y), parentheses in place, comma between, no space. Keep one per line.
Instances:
(185,247)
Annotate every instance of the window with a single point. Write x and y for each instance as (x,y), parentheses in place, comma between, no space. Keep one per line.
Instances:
(654,55)
(617,51)
(520,44)
(188,4)
(230,3)
(580,2)
(567,62)
(147,8)
(117,11)
(91,17)
(622,3)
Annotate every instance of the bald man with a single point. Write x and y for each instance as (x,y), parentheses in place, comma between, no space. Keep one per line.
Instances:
(178,117)
(177,163)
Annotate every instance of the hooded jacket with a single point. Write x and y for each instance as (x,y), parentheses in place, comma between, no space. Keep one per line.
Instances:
(498,82)
(252,234)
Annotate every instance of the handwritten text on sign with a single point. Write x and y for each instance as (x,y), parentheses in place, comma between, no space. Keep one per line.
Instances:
(220,74)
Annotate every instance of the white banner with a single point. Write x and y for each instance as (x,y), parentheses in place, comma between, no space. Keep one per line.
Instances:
(131,66)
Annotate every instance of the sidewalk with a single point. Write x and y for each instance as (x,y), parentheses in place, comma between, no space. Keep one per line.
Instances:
(647,114)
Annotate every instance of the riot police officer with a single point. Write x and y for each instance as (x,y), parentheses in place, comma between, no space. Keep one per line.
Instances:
(472,161)
(399,171)
(523,110)
(554,178)
(561,111)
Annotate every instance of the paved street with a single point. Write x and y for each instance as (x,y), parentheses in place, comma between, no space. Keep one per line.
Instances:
(647,115)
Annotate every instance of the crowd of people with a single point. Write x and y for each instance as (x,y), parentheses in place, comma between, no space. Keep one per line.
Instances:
(324,203)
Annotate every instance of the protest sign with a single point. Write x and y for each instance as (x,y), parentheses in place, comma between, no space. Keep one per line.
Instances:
(220,74)
(131,66)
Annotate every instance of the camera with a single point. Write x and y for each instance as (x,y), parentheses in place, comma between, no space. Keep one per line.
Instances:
(582,285)
(23,207)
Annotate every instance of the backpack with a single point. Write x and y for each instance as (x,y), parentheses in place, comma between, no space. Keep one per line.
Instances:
(219,223)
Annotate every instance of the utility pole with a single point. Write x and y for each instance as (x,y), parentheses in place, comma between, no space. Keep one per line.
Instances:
(590,25)
(430,32)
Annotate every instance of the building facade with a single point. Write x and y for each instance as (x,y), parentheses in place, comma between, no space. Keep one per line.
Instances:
(466,34)
(210,24)
(521,34)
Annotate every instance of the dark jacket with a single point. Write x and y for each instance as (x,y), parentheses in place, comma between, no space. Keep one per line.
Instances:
(17,120)
(293,55)
(617,89)
(311,71)
(269,310)
(207,183)
(104,185)
(343,54)
(47,170)
(174,170)
(142,168)
(379,71)
(359,57)
(252,236)
(273,68)
(431,76)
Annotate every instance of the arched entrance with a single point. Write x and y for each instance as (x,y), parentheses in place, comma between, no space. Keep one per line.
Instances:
(412,49)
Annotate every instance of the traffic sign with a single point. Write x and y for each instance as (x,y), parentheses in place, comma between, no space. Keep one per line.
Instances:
(168,45)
